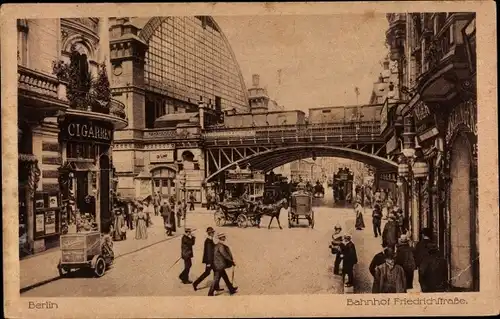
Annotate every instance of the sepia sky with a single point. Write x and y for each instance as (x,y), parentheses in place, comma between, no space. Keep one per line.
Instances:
(321,58)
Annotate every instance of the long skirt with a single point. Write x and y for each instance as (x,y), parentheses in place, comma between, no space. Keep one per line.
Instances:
(141,231)
(360,223)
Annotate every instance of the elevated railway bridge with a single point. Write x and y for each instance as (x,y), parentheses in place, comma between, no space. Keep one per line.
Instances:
(265,148)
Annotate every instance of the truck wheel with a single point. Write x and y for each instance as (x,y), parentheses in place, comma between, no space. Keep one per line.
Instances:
(100,267)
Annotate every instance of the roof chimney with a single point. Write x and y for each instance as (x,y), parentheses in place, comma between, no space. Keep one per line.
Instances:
(255,80)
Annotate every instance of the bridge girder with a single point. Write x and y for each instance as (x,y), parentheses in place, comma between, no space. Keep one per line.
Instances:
(266,159)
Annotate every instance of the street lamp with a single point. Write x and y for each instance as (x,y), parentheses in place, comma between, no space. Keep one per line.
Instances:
(182,182)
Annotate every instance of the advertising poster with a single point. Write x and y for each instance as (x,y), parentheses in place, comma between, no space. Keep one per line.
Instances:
(53,202)
(50,222)
(39,223)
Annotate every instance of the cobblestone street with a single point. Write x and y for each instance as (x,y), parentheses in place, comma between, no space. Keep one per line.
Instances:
(269,261)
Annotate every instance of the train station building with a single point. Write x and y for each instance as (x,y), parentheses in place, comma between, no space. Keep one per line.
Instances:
(176,75)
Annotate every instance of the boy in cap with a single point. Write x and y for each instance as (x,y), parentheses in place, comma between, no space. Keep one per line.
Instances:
(223,259)
(187,244)
(336,247)
(208,259)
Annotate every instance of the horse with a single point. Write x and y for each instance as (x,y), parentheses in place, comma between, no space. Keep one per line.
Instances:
(272,210)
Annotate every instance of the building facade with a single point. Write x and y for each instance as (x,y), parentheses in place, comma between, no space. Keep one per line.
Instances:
(66,120)
(177,75)
(433,132)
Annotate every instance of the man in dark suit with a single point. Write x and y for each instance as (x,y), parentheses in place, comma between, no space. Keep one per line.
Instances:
(223,259)
(377,260)
(350,258)
(208,259)
(187,244)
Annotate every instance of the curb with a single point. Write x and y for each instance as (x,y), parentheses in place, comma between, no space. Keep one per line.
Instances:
(52,279)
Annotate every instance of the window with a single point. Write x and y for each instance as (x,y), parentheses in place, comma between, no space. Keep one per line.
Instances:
(183,55)
(22,42)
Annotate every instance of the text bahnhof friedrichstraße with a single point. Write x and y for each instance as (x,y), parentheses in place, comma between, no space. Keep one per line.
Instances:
(406,301)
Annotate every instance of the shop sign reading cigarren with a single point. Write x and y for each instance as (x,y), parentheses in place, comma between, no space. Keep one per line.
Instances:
(81,129)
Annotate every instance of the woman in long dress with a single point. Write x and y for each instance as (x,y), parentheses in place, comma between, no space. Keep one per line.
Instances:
(360,223)
(141,231)
(118,225)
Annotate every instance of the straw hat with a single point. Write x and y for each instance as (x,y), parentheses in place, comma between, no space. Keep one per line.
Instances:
(221,235)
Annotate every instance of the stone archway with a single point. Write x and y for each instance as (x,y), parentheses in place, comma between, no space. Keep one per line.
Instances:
(462,216)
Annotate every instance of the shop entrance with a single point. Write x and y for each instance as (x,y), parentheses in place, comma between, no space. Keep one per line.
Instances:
(462,217)
(164,181)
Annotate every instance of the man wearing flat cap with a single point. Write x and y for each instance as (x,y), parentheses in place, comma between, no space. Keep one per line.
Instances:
(223,259)
(187,244)
(208,259)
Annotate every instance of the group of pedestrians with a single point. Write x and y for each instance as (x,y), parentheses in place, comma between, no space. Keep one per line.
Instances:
(393,268)
(217,257)
(130,215)
(345,252)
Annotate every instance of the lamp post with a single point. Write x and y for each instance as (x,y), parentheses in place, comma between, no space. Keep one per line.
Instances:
(412,170)
(182,181)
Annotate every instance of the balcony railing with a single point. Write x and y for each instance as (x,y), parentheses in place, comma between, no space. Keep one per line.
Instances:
(37,82)
(446,41)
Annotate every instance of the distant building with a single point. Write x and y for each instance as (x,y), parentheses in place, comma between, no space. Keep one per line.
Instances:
(259,100)
(387,84)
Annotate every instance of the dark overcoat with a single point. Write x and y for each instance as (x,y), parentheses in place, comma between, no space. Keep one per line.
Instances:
(223,258)
(208,252)
(433,274)
(390,234)
(350,257)
(187,247)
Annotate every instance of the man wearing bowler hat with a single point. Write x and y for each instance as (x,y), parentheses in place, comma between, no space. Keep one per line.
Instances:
(208,259)
(223,259)
(187,244)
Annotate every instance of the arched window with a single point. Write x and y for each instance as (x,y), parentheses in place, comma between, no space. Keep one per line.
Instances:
(187,156)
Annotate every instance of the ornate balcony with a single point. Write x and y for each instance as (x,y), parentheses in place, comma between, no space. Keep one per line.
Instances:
(117,108)
(39,91)
(447,62)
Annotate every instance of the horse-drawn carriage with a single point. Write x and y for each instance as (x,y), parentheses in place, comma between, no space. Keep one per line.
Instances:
(300,208)
(236,211)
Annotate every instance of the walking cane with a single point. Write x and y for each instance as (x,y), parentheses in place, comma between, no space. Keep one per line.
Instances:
(232,276)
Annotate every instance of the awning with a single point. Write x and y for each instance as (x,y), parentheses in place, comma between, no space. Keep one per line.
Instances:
(245,181)
(80,166)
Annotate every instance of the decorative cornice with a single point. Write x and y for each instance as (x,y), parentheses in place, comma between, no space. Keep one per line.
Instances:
(128,89)
(128,47)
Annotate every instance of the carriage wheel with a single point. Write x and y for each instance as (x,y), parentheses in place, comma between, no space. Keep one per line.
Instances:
(219,218)
(100,267)
(242,221)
